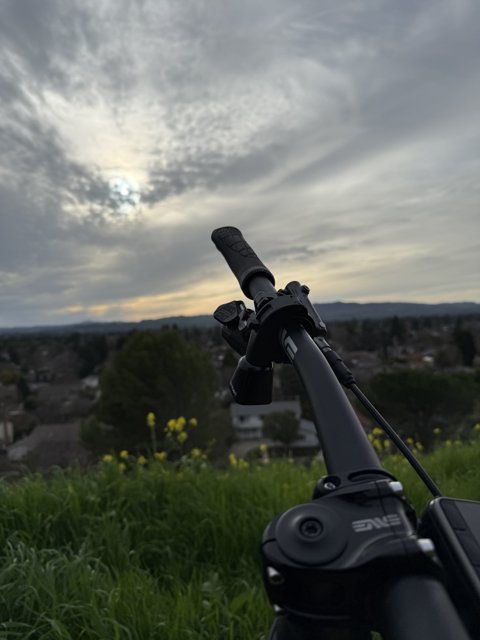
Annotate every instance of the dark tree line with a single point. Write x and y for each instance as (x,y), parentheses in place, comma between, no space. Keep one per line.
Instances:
(417,401)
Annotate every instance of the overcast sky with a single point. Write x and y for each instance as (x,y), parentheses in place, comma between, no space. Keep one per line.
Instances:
(341,137)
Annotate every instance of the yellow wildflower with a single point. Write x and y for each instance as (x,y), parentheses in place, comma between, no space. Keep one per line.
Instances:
(181,422)
(160,455)
(107,458)
(243,464)
(182,437)
(232,458)
(437,431)
(477,426)
(196,453)
(410,441)
(193,422)
(419,446)
(377,431)
(171,425)
(151,420)
(263,448)
(142,460)
(122,467)
(386,444)
(123,454)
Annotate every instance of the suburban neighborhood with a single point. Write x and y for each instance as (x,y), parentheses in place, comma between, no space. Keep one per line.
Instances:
(51,384)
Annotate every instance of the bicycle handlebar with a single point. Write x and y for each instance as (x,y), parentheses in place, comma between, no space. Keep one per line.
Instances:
(418,606)
(345,445)
(412,607)
(241,258)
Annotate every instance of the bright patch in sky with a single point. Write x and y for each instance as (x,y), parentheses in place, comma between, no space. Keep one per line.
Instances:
(124,196)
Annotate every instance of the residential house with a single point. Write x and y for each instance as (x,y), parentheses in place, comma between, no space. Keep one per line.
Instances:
(247,422)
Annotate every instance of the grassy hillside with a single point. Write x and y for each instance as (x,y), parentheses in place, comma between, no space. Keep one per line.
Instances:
(151,551)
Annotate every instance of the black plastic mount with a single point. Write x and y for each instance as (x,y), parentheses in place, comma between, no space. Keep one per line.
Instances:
(274,314)
(257,333)
(236,321)
(256,337)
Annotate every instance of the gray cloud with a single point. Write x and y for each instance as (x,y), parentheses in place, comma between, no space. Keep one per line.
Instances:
(343,140)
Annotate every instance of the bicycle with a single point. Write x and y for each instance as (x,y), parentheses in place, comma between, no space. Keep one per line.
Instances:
(354,559)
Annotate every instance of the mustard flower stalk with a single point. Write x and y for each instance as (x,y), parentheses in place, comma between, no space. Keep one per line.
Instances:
(151,425)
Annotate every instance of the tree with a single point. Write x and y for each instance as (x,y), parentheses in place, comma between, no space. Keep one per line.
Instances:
(446,357)
(159,372)
(351,335)
(397,329)
(417,400)
(92,350)
(466,345)
(23,388)
(281,426)
(369,340)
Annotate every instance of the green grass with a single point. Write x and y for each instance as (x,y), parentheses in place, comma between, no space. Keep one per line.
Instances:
(158,552)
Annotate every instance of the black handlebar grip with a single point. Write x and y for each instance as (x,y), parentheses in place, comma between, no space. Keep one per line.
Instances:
(240,257)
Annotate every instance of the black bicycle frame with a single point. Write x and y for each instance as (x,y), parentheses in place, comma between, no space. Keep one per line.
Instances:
(349,561)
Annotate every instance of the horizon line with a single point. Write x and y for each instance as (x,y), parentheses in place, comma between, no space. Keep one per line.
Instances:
(89,321)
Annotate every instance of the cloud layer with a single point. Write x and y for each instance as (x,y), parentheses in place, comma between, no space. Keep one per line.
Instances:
(343,140)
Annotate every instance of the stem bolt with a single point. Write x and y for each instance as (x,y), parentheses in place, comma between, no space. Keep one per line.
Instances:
(311,528)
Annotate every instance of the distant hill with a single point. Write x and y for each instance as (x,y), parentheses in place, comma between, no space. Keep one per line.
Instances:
(328,311)
(373,310)
(119,326)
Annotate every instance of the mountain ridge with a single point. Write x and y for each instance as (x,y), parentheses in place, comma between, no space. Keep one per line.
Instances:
(328,311)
